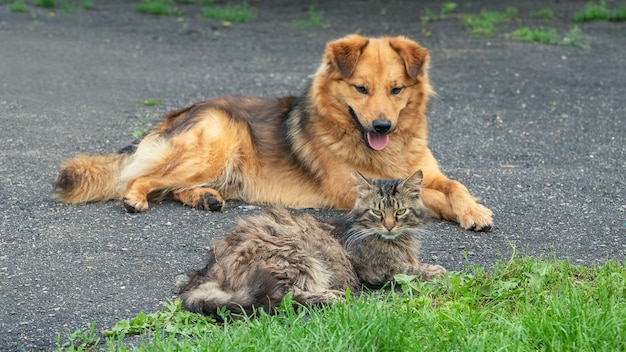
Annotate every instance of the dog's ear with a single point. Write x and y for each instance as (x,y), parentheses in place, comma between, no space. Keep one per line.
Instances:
(415,57)
(344,53)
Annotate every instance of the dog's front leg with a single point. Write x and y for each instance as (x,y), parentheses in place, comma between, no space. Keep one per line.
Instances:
(449,199)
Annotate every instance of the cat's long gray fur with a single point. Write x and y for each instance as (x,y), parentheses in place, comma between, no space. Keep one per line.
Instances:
(277,252)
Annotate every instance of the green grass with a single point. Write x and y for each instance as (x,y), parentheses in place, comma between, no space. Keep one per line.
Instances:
(45,3)
(484,24)
(197,2)
(574,36)
(539,35)
(229,13)
(64,6)
(142,127)
(520,305)
(72,7)
(87,5)
(599,12)
(446,9)
(157,8)
(316,19)
(543,14)
(144,122)
(152,102)
(18,6)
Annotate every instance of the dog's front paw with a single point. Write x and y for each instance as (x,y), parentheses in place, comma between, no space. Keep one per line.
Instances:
(477,218)
(134,205)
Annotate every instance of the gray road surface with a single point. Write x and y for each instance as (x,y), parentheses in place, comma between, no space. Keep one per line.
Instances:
(537,131)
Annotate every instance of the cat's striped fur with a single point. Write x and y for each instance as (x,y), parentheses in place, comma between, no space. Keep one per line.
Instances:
(272,254)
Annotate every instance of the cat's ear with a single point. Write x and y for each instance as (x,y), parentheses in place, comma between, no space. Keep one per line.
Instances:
(413,184)
(363,184)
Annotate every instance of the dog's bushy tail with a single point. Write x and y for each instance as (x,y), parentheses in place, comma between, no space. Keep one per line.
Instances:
(260,290)
(90,178)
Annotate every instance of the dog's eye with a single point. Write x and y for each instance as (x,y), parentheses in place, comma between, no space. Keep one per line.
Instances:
(396,90)
(361,89)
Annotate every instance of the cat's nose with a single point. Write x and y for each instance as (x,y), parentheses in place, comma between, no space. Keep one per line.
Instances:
(389,223)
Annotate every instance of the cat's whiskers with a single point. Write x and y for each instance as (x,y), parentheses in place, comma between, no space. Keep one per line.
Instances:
(417,230)
(354,236)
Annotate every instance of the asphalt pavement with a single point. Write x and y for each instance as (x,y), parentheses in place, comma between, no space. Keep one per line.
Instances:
(536,131)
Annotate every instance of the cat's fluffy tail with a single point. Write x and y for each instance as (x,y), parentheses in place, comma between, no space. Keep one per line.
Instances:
(261,289)
(90,178)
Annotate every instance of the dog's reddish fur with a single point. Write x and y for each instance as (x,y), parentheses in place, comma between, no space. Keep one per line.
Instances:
(294,151)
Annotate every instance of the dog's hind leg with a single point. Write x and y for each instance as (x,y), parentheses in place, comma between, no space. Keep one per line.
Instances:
(187,164)
(136,200)
(185,186)
(204,198)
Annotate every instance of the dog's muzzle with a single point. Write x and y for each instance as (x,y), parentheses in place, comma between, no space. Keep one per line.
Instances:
(376,139)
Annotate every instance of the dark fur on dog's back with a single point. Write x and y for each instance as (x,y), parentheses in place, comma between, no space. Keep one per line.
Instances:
(364,110)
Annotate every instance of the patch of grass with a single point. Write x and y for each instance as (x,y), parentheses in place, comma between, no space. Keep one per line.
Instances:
(197,2)
(575,37)
(316,19)
(87,5)
(152,102)
(592,12)
(618,14)
(446,9)
(520,305)
(543,14)
(483,24)
(45,3)
(141,128)
(144,123)
(157,8)
(230,13)
(539,35)
(599,12)
(79,340)
(70,7)
(18,6)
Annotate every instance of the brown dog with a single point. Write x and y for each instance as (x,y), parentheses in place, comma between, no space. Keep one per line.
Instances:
(364,111)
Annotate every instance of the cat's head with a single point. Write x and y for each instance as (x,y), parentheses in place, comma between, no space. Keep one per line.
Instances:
(388,208)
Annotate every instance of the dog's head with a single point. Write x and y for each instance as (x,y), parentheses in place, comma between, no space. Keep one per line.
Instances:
(373,80)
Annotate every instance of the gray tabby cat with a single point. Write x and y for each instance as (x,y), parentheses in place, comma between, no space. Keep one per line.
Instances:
(272,254)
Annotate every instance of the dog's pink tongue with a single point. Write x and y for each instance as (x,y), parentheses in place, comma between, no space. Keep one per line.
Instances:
(377,141)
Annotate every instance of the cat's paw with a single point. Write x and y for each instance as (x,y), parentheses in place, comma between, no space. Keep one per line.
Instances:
(434,271)
(180,282)
(477,218)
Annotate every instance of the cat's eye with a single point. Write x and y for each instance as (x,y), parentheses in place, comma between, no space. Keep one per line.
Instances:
(396,90)
(400,211)
(361,89)
(377,212)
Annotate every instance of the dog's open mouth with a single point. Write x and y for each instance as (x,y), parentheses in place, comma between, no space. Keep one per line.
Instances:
(376,141)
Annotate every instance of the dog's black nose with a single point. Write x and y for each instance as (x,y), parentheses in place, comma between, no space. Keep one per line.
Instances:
(381,126)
